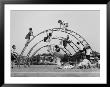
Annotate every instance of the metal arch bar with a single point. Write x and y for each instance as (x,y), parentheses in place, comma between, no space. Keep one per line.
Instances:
(70,44)
(72,47)
(64,51)
(72,35)
(77,38)
(31,40)
(69,34)
(41,41)
(68,50)
(75,45)
(84,40)
(46,31)
(41,48)
(32,48)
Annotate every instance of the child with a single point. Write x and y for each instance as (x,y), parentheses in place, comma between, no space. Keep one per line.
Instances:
(29,35)
(65,41)
(57,48)
(13,48)
(81,49)
(13,55)
(60,22)
(88,51)
(65,25)
(48,39)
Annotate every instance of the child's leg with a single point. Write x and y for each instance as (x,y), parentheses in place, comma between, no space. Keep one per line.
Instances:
(11,64)
(27,41)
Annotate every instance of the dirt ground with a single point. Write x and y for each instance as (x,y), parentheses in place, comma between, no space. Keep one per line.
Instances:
(53,71)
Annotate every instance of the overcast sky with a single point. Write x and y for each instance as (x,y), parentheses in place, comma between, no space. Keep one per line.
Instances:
(85,23)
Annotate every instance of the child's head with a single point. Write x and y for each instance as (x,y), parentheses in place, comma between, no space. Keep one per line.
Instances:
(89,47)
(56,46)
(78,43)
(50,34)
(60,21)
(30,29)
(14,47)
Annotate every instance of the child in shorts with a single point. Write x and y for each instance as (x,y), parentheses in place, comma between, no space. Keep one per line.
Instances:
(30,33)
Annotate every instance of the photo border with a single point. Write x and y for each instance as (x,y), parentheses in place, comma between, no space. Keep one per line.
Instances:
(40,2)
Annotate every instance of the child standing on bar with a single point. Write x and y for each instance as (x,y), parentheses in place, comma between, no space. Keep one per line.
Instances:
(30,33)
(88,52)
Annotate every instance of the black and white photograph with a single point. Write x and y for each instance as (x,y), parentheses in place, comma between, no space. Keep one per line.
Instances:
(55,43)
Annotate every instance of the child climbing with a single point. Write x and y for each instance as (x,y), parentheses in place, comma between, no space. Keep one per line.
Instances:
(60,22)
(57,48)
(48,39)
(81,49)
(88,52)
(65,41)
(65,25)
(13,49)
(28,36)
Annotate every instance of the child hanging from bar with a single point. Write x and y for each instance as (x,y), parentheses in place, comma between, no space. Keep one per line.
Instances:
(65,41)
(48,39)
(30,33)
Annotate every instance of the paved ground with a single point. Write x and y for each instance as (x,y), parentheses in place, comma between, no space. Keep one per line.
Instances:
(52,71)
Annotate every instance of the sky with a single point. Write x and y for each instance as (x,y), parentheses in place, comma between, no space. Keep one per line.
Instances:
(85,23)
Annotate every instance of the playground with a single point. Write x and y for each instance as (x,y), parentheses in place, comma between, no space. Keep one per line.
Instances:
(60,53)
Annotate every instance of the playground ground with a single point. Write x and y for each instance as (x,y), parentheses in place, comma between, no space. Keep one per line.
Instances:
(53,71)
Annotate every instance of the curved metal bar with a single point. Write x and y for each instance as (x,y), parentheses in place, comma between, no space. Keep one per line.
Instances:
(72,47)
(64,51)
(68,50)
(52,30)
(68,43)
(73,36)
(32,48)
(41,48)
(69,34)
(84,40)
(33,39)
(79,36)
(41,41)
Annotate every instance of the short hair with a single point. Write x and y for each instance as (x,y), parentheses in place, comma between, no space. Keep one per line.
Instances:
(89,47)
(50,34)
(56,46)
(30,28)
(14,47)
(77,42)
